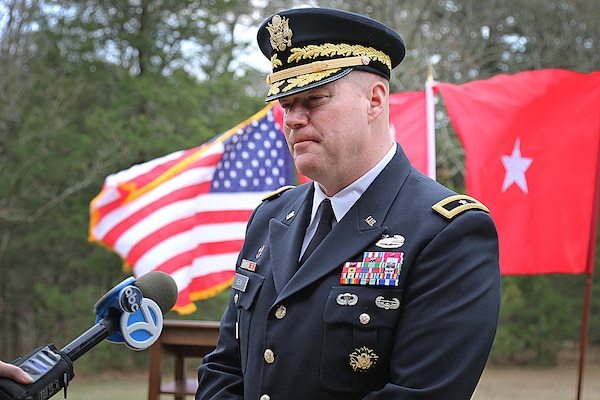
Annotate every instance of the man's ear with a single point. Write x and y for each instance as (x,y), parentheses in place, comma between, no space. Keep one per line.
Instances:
(377,100)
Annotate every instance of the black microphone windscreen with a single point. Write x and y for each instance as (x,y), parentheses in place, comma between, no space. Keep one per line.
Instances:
(160,287)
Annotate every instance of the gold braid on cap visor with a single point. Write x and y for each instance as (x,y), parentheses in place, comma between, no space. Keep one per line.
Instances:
(361,56)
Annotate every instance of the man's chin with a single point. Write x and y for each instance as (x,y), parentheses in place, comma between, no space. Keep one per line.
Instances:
(306,165)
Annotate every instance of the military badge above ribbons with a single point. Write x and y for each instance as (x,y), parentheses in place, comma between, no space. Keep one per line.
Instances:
(376,269)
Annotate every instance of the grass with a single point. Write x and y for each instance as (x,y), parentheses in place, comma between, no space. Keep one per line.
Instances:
(130,388)
(497,383)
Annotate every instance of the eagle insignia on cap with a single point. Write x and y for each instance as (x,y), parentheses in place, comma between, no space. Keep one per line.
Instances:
(280,32)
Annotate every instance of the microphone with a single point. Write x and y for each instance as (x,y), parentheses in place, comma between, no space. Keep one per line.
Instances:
(134,306)
(130,313)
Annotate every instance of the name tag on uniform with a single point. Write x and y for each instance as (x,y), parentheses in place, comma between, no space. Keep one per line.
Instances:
(240,282)
(376,269)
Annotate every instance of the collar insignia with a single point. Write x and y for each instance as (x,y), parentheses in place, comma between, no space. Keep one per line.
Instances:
(370,220)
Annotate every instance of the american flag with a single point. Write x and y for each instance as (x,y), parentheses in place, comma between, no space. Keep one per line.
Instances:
(185,213)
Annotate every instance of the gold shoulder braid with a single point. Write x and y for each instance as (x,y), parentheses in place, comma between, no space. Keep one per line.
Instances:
(277,193)
(452,206)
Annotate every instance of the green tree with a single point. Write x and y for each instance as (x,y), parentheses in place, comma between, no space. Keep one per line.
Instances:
(73,116)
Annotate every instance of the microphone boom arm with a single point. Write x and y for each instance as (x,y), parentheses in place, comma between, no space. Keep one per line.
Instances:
(97,333)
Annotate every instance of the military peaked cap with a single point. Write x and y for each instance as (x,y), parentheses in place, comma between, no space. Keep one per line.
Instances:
(309,47)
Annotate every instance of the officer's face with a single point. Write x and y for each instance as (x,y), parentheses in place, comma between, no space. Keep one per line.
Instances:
(327,131)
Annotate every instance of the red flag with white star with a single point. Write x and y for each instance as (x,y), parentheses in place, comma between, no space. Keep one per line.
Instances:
(531,144)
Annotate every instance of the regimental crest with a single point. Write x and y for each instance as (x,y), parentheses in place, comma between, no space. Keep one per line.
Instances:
(280,33)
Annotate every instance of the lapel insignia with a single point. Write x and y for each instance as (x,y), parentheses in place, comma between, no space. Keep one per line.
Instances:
(376,269)
(248,265)
(370,220)
(362,359)
(290,215)
(390,242)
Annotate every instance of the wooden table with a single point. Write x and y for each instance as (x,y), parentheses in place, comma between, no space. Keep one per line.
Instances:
(181,339)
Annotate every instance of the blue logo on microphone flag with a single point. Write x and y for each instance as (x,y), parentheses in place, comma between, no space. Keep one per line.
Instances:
(185,213)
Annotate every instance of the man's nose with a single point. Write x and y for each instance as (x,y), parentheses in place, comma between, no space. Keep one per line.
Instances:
(296,116)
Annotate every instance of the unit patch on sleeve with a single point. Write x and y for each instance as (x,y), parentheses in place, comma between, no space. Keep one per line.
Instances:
(452,206)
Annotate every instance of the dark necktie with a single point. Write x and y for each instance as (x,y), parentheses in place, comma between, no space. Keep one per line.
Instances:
(323,228)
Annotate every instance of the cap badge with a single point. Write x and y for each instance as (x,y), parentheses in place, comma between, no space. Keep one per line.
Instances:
(362,359)
(280,32)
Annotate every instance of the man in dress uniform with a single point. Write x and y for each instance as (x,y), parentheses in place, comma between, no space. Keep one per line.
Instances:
(373,281)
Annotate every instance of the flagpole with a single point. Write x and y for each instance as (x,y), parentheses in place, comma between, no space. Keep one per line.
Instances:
(430,109)
(584,331)
(591,260)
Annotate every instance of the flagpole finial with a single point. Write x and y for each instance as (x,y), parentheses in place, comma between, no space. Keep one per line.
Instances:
(430,73)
